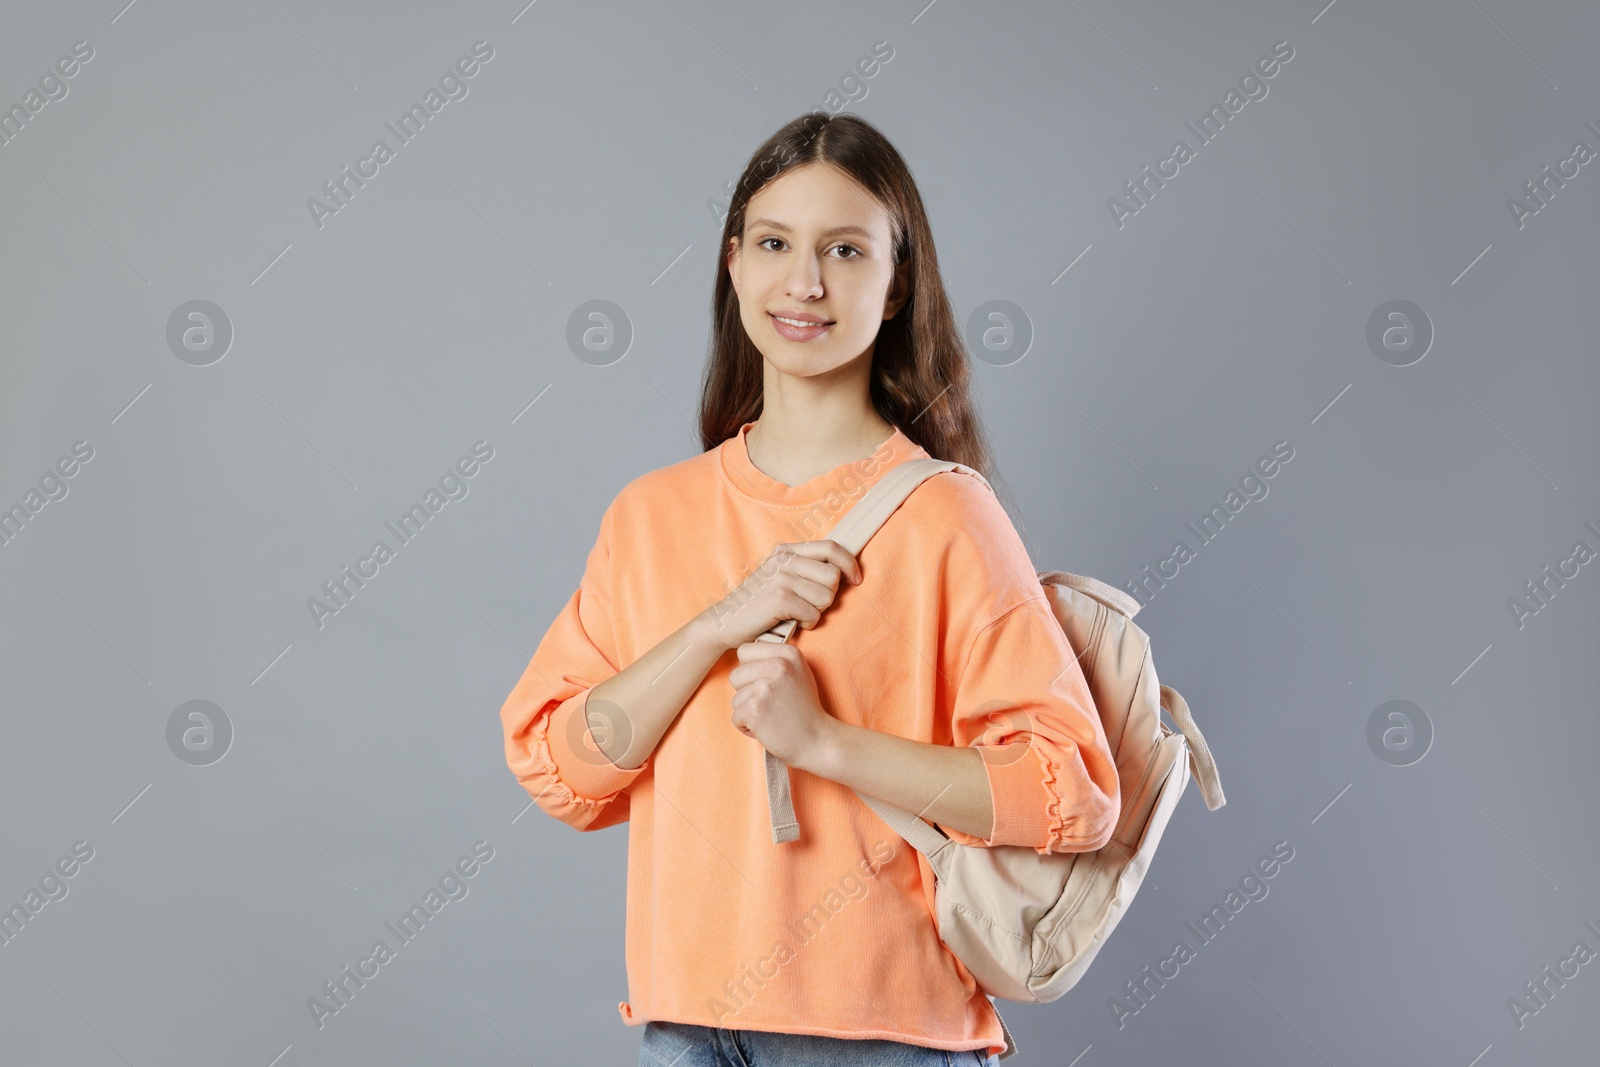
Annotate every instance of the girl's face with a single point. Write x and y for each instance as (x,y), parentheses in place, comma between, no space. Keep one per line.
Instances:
(816,246)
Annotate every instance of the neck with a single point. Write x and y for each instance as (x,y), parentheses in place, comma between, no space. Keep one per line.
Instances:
(796,448)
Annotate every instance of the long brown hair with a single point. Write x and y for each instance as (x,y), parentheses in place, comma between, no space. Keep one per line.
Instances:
(920,371)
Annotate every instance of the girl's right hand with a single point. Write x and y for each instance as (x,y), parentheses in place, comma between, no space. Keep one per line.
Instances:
(797,581)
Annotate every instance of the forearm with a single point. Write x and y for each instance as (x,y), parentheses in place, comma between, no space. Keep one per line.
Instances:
(940,783)
(629,712)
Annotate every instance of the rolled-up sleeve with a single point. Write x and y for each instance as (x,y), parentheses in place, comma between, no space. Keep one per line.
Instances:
(549,738)
(1023,701)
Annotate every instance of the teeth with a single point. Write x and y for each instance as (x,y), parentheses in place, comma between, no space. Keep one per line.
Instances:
(796,322)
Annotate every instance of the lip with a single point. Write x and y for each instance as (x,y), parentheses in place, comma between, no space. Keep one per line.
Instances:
(801,316)
(819,328)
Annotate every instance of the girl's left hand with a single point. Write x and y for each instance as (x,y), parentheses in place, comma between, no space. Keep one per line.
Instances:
(775,701)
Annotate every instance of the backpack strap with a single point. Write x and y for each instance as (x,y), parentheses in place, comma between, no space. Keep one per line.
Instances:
(1011,1042)
(852,531)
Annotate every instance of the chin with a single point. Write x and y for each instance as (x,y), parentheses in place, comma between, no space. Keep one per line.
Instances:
(812,358)
(798,365)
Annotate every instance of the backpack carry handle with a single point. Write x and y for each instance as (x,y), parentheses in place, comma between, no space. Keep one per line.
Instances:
(1109,595)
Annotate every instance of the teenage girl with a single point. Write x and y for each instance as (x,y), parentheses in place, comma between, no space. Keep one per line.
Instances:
(929,672)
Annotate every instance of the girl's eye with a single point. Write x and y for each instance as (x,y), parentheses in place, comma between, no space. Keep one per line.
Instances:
(858,253)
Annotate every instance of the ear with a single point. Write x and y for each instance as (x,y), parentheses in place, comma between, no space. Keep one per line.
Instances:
(899,290)
(730,261)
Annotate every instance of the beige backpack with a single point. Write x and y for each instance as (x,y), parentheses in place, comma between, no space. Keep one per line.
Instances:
(1026,925)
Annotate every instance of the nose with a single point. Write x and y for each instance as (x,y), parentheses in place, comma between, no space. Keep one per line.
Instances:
(804,278)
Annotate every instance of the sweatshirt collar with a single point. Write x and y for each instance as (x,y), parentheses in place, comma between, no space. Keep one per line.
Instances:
(847,478)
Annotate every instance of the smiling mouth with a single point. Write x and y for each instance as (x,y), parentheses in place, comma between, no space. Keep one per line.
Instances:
(797,324)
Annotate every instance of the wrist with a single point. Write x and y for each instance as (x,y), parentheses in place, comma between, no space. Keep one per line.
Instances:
(705,631)
(826,758)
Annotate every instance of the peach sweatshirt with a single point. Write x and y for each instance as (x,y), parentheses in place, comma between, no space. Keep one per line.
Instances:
(948,640)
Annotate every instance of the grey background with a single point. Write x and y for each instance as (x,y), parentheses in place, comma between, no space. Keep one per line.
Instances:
(431,312)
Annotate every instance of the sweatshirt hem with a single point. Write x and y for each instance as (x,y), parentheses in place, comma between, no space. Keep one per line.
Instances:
(631,1018)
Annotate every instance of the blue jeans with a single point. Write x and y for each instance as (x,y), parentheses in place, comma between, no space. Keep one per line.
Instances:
(687,1045)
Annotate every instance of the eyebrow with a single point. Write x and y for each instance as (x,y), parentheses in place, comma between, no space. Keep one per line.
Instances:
(837,231)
